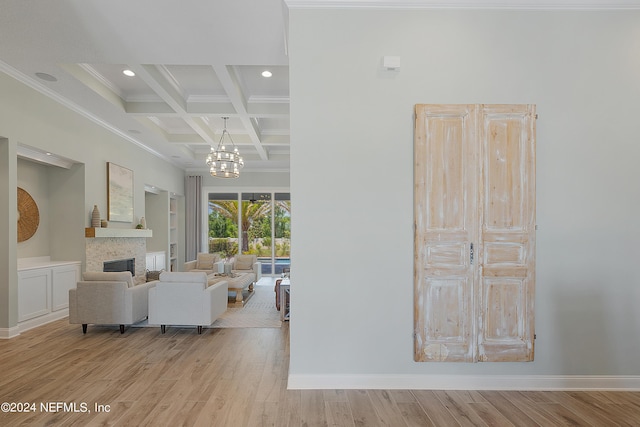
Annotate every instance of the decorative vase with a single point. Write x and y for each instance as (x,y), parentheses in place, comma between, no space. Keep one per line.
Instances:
(143,223)
(95,217)
(104,223)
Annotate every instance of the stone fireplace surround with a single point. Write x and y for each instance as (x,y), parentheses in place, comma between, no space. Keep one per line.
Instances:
(101,249)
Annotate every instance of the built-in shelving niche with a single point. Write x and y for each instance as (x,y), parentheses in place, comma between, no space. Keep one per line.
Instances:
(162,215)
(57,185)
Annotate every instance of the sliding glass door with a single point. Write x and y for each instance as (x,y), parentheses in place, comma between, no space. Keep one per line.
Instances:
(223,224)
(282,232)
(251,223)
(256,227)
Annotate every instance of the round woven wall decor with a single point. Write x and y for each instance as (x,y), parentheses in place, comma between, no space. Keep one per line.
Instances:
(28,216)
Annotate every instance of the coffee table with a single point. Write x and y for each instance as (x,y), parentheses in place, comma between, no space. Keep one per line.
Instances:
(237,283)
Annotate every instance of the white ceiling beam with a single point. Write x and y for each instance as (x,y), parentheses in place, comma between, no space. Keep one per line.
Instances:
(261,110)
(93,80)
(148,108)
(266,109)
(158,82)
(230,84)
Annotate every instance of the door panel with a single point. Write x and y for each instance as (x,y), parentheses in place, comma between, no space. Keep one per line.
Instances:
(474,209)
(507,233)
(445,205)
(503,336)
(447,332)
(505,148)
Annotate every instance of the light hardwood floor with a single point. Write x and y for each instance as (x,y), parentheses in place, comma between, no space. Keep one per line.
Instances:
(238,377)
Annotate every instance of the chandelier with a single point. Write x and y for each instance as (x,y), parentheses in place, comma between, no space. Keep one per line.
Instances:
(225,162)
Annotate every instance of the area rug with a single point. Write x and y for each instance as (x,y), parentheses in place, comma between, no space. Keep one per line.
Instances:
(258,312)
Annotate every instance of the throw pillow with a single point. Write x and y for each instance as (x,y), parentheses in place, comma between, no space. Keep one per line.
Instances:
(153,275)
(206,261)
(244,262)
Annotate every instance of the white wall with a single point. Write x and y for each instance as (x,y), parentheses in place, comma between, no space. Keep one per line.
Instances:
(351,183)
(248,180)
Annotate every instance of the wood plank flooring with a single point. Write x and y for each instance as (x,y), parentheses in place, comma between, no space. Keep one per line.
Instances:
(238,377)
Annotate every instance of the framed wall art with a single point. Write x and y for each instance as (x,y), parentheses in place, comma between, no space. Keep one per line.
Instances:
(119,193)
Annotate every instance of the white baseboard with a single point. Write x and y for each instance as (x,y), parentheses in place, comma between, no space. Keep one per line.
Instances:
(465,382)
(43,320)
(6,333)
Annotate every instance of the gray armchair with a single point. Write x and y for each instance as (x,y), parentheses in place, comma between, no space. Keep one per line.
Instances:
(205,263)
(108,299)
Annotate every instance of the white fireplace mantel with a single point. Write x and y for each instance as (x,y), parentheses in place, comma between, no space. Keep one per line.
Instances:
(116,232)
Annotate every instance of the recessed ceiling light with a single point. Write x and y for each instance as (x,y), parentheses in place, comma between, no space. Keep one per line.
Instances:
(128,73)
(47,77)
(267,73)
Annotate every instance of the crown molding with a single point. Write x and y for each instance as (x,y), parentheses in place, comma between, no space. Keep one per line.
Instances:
(467,4)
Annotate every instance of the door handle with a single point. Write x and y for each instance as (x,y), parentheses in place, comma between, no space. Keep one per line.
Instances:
(471,254)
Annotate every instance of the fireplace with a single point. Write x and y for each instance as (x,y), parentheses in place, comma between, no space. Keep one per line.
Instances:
(100,250)
(128,264)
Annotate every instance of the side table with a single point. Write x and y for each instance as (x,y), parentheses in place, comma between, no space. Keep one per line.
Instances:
(285,301)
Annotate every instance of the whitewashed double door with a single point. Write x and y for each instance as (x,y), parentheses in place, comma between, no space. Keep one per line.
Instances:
(474,212)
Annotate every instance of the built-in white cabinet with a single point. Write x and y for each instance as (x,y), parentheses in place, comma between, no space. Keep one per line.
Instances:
(43,291)
(63,278)
(34,293)
(156,261)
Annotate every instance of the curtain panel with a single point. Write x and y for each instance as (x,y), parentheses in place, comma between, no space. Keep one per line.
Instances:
(193,214)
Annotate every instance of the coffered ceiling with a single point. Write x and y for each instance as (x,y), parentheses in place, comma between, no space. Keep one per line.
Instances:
(195,61)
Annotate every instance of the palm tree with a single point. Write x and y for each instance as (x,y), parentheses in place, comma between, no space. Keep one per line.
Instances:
(250,212)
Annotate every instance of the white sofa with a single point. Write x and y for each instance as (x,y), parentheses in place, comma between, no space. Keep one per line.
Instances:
(185,299)
(108,298)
